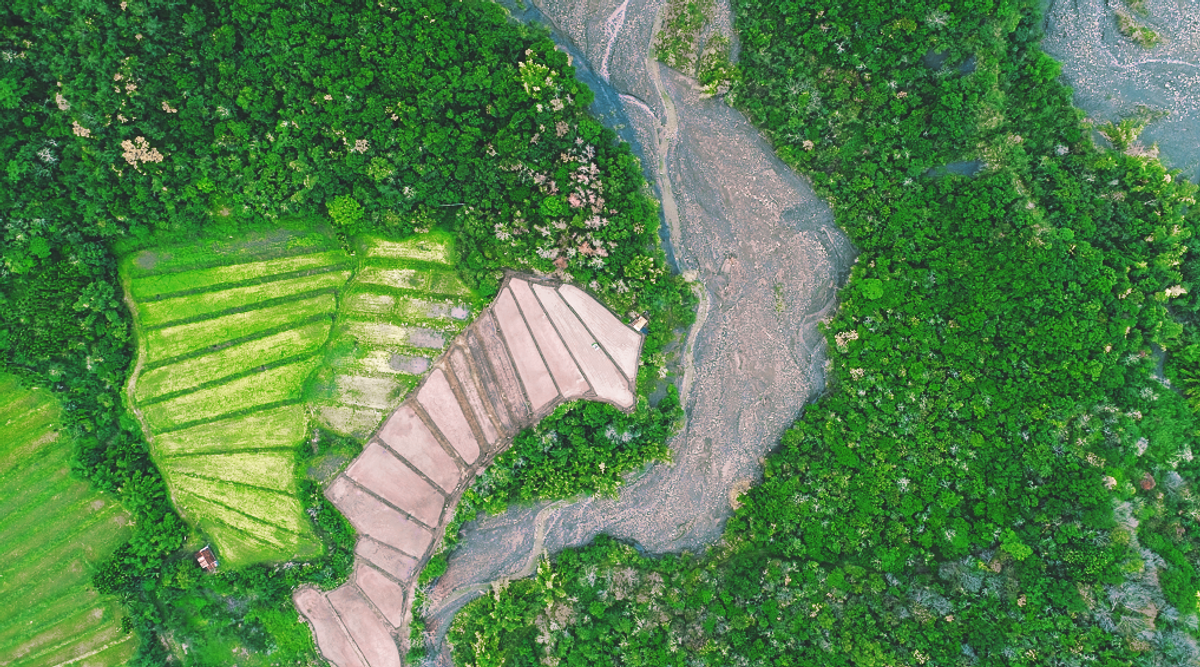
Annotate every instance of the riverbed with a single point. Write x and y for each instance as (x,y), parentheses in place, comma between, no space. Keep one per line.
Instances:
(767,259)
(1113,77)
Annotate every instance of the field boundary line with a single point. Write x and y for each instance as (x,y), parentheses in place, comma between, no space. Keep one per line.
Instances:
(218,503)
(248,282)
(248,308)
(107,646)
(162,398)
(404,263)
(239,450)
(300,251)
(232,415)
(221,480)
(286,326)
(245,534)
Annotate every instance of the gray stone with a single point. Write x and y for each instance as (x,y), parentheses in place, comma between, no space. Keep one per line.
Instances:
(379,471)
(408,436)
(566,375)
(535,377)
(440,403)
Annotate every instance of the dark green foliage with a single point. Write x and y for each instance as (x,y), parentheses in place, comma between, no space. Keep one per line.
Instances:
(582,448)
(155,122)
(995,476)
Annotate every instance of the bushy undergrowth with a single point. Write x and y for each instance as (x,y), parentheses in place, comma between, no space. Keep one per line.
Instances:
(154,122)
(995,476)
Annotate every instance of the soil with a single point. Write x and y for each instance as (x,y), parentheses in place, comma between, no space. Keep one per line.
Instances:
(1113,77)
(768,260)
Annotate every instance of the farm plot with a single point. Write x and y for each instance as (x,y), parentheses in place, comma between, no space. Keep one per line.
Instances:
(404,305)
(53,529)
(226,351)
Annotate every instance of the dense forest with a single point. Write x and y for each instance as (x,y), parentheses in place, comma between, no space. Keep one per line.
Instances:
(999,473)
(125,124)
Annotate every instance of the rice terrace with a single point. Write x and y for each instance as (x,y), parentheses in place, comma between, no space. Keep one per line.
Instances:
(238,348)
(515,333)
(53,530)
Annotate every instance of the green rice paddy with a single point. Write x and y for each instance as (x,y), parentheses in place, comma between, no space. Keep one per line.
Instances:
(405,304)
(240,345)
(53,529)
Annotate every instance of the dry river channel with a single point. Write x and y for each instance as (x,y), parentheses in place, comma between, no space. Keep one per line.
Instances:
(768,261)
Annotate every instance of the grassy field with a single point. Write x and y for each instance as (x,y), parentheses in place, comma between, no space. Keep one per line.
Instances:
(227,341)
(405,304)
(53,529)
(241,343)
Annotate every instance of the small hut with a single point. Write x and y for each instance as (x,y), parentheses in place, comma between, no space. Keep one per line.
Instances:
(207,560)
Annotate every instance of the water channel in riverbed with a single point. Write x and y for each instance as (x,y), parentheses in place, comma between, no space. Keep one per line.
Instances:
(768,260)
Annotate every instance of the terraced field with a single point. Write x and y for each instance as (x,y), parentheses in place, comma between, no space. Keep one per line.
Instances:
(53,528)
(227,343)
(238,348)
(404,306)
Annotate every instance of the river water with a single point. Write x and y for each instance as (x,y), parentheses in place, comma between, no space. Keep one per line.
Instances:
(768,261)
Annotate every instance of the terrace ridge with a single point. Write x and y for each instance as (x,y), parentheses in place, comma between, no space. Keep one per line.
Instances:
(478,378)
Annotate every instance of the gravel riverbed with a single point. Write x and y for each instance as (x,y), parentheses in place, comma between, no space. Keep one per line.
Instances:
(769,261)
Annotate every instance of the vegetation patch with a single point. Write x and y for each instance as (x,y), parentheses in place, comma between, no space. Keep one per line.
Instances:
(996,475)
(53,530)
(405,304)
(252,337)
(1133,29)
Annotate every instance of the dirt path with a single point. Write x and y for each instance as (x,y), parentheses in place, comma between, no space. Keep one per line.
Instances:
(770,260)
(139,363)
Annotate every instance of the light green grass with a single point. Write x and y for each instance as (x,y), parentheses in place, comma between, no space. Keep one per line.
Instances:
(416,279)
(213,401)
(155,286)
(399,303)
(233,360)
(157,313)
(178,340)
(436,247)
(53,530)
(270,469)
(220,510)
(277,428)
(221,252)
(272,507)
(257,389)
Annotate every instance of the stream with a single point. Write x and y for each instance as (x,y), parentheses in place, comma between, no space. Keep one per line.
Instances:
(768,259)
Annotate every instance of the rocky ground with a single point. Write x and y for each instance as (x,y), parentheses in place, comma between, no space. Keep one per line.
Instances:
(769,261)
(1114,77)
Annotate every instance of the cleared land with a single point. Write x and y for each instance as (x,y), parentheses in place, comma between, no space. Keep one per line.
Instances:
(53,528)
(404,305)
(227,349)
